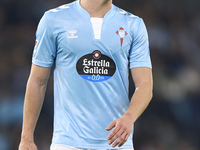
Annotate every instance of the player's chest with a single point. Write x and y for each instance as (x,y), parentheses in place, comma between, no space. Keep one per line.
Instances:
(83,37)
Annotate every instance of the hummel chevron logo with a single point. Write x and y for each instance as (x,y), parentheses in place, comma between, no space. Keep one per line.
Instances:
(72,34)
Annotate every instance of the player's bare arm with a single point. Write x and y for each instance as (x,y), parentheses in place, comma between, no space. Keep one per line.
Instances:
(123,126)
(35,91)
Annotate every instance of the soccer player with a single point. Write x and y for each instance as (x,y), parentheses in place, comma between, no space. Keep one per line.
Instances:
(93,44)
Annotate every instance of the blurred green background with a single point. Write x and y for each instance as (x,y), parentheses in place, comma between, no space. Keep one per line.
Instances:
(172,120)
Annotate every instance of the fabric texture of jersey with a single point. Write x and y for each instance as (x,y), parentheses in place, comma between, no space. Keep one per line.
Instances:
(90,75)
(65,147)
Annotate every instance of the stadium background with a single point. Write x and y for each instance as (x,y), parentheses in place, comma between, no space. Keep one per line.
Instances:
(172,120)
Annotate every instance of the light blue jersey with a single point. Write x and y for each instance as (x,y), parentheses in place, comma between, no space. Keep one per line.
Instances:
(92,57)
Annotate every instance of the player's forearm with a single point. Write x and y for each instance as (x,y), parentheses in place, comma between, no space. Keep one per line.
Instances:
(139,101)
(34,98)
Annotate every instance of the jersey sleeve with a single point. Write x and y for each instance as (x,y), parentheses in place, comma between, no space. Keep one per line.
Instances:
(45,45)
(139,53)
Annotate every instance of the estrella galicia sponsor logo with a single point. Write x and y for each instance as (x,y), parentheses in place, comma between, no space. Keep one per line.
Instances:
(96,67)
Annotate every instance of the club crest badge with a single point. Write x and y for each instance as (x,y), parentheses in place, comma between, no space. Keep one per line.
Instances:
(122,34)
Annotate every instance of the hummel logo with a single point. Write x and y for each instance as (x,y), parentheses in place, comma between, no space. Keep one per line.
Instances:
(72,34)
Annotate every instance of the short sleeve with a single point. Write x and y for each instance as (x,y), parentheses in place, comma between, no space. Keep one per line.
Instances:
(139,53)
(45,49)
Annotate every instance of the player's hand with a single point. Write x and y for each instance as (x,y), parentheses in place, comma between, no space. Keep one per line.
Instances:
(122,128)
(26,145)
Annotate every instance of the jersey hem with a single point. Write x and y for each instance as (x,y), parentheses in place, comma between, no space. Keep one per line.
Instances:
(127,145)
(41,64)
(141,65)
(95,147)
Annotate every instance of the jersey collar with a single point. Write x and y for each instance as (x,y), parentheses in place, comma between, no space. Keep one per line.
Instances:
(83,12)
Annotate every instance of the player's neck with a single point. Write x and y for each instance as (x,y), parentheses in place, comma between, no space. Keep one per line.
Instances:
(96,8)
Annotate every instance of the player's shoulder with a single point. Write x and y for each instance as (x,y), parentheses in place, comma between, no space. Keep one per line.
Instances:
(60,11)
(125,14)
